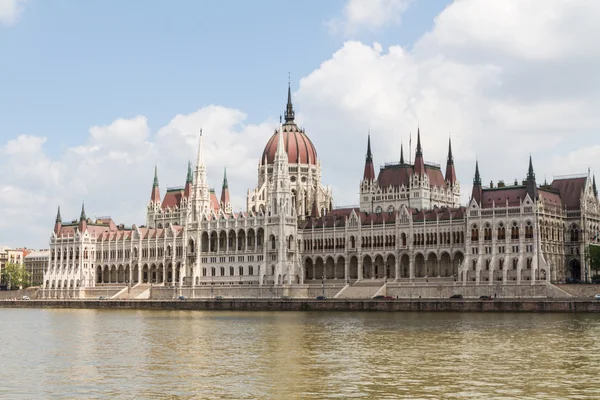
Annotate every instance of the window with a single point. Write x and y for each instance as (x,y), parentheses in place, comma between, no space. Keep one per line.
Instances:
(231,271)
(501,231)
(514,231)
(250,270)
(222,271)
(240,271)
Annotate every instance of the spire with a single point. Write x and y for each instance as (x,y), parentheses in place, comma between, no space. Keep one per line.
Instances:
(280,151)
(477,192)
(225,200)
(419,166)
(450,171)
(82,217)
(155,195)
(530,182)
(369,173)
(401,154)
(189,178)
(477,179)
(225,185)
(200,156)
(57,222)
(530,173)
(289,109)
(187,191)
(593,186)
(155,184)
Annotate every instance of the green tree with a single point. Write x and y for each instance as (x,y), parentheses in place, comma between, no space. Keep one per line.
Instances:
(592,257)
(15,275)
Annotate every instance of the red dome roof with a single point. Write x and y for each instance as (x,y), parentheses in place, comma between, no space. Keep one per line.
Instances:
(298,146)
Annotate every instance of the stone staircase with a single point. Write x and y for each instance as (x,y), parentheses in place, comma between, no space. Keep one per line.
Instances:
(361,290)
(135,292)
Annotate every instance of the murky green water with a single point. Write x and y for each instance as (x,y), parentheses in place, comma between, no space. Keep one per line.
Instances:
(287,355)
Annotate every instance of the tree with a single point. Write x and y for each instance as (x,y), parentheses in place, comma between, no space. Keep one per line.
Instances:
(592,257)
(15,275)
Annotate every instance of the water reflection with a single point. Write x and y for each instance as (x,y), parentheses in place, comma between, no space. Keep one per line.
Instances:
(242,355)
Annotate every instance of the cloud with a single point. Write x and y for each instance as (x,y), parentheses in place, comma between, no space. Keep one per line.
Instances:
(368,14)
(10,11)
(113,170)
(502,78)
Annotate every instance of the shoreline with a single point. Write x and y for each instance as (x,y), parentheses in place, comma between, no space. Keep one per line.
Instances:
(398,305)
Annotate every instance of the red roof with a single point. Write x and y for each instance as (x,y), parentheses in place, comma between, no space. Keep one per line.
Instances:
(297,145)
(397,175)
(498,197)
(172,199)
(570,190)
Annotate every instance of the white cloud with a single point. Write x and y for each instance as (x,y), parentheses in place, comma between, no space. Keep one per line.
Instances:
(369,14)
(10,11)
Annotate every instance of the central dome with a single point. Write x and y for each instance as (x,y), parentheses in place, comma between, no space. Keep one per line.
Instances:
(297,145)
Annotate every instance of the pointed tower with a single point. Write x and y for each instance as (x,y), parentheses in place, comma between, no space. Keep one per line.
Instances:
(419,166)
(82,219)
(155,196)
(188,181)
(280,195)
(401,154)
(369,174)
(57,222)
(530,182)
(225,201)
(594,187)
(477,193)
(289,109)
(450,172)
(200,192)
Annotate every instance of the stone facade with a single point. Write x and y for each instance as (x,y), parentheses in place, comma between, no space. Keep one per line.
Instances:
(409,227)
(35,264)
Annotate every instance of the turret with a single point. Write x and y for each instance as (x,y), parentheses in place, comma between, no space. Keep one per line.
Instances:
(477,193)
(225,201)
(594,187)
(188,182)
(401,154)
(155,196)
(200,192)
(450,172)
(419,166)
(530,182)
(369,174)
(82,219)
(57,222)
(289,109)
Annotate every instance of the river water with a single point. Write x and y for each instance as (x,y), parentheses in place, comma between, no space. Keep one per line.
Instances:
(129,354)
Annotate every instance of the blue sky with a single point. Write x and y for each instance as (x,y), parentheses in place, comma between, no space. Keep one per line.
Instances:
(94,94)
(73,64)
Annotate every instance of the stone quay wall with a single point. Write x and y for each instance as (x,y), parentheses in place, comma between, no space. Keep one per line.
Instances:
(446,305)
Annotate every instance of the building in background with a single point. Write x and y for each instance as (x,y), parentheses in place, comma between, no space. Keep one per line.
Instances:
(35,264)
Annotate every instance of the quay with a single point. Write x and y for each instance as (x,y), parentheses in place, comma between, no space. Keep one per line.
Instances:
(398,305)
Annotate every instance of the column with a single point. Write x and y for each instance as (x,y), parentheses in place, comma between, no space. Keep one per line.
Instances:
(346,270)
(411,267)
(360,268)
(397,266)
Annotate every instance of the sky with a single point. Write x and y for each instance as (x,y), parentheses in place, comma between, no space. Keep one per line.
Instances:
(94,94)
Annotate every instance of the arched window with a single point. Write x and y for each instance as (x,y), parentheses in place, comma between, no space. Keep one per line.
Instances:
(474,233)
(231,271)
(222,271)
(529,231)
(272,242)
(487,232)
(213,271)
(501,231)
(240,271)
(514,231)
(251,270)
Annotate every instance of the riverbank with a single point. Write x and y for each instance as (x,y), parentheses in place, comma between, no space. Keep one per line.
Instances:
(466,305)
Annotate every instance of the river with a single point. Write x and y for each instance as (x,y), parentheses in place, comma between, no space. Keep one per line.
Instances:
(135,354)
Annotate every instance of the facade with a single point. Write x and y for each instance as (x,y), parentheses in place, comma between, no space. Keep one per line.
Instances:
(35,264)
(409,226)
